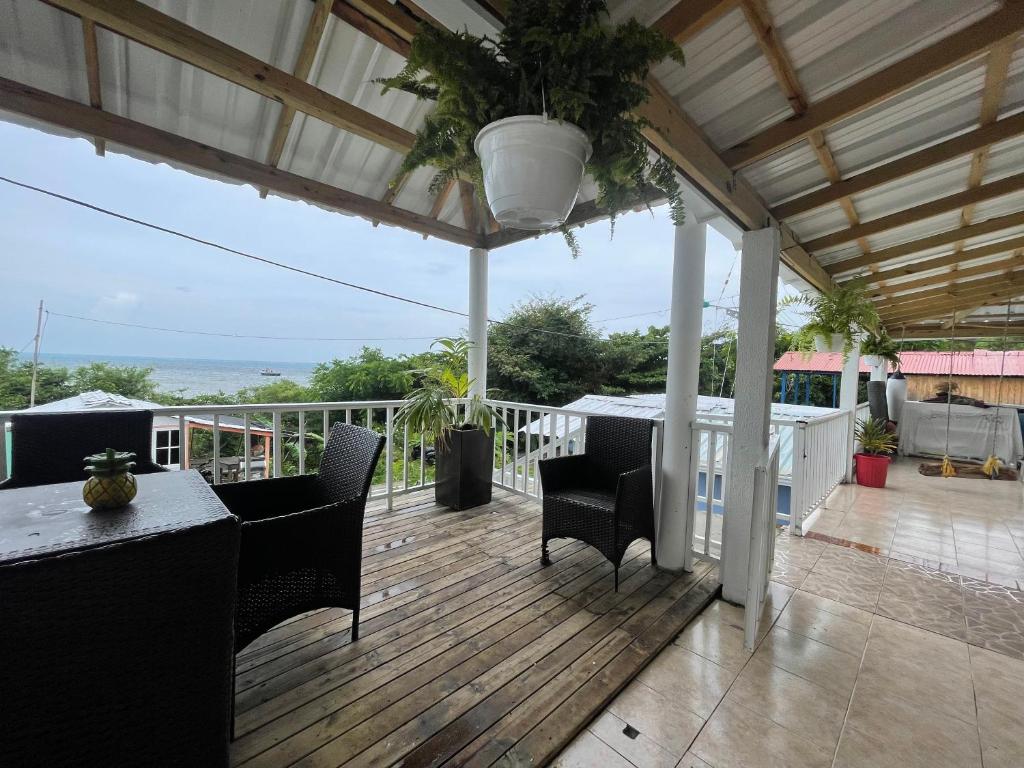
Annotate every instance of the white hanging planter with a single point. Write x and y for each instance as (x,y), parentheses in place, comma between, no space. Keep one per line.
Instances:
(874,361)
(533,168)
(835,343)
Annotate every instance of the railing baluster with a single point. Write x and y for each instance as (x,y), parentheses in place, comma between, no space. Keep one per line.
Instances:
(405,456)
(277,446)
(423,459)
(247,445)
(216,449)
(709,488)
(183,446)
(515,449)
(302,442)
(327,425)
(389,447)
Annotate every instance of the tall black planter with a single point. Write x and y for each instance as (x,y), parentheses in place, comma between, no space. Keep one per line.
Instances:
(463,469)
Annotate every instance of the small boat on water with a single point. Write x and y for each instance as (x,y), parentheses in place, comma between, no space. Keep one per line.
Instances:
(269,372)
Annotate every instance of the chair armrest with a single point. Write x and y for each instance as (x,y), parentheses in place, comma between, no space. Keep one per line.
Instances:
(635,491)
(563,472)
(259,499)
(326,536)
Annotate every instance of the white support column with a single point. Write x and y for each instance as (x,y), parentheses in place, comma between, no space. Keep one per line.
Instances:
(848,384)
(478,321)
(674,531)
(755,355)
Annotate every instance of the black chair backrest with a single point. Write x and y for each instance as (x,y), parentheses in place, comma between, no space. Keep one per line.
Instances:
(617,444)
(348,461)
(51,447)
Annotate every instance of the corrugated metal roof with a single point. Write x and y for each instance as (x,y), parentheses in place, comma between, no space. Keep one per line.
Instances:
(979,362)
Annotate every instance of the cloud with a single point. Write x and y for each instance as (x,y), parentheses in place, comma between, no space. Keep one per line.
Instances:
(119,300)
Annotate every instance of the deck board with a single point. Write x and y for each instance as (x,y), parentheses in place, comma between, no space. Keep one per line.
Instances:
(470,652)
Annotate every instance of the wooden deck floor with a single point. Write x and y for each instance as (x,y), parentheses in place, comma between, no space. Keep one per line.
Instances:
(470,651)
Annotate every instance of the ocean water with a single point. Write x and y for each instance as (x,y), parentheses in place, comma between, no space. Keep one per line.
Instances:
(189,377)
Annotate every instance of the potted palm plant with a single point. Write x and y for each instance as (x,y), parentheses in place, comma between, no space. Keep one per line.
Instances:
(837,318)
(463,442)
(878,348)
(877,445)
(524,115)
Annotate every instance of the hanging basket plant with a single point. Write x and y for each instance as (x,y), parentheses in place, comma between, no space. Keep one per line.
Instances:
(837,318)
(879,348)
(525,115)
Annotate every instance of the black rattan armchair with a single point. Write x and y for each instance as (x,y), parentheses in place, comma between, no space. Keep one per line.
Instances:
(302,537)
(603,496)
(51,447)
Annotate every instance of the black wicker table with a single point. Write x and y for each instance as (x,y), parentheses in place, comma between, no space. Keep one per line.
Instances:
(116,627)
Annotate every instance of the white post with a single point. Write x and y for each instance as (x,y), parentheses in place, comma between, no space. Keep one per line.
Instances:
(675,531)
(755,355)
(848,383)
(478,321)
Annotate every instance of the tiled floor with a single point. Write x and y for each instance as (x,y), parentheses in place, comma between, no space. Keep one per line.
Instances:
(866,660)
(970,527)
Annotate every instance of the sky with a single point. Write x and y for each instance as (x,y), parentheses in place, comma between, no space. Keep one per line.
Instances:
(85,263)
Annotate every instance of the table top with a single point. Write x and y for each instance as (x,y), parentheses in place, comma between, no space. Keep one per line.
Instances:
(46,520)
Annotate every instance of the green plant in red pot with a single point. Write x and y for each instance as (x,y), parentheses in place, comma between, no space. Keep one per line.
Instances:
(877,444)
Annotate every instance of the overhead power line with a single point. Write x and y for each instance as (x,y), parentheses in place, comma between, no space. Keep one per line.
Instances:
(236,335)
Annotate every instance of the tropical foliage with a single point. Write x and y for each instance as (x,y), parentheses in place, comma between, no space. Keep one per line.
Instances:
(429,408)
(881,344)
(845,310)
(874,437)
(555,57)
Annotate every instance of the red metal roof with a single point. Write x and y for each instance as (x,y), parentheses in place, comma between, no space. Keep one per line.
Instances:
(980,362)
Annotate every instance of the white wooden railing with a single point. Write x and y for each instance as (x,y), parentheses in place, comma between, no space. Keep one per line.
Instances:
(818,465)
(312,419)
(712,443)
(762,540)
(529,433)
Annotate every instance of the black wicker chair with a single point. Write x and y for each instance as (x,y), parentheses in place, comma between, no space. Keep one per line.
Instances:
(51,447)
(302,536)
(604,496)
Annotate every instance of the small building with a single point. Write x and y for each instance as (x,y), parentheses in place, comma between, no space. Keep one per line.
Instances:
(975,374)
(167,438)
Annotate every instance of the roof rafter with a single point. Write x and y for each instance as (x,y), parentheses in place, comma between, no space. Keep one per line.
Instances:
(81,118)
(688,17)
(985,227)
(942,55)
(937,308)
(954,285)
(166,34)
(92,73)
(936,154)
(920,212)
(303,64)
(946,277)
(970,330)
(916,267)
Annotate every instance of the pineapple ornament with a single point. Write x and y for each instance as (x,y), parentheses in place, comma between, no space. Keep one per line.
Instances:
(112,484)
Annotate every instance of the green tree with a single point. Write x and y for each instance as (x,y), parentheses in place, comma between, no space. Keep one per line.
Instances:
(16,382)
(370,375)
(127,381)
(546,351)
(635,362)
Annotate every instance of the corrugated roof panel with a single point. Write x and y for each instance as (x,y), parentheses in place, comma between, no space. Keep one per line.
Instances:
(835,44)
(792,171)
(829,218)
(40,46)
(943,106)
(979,362)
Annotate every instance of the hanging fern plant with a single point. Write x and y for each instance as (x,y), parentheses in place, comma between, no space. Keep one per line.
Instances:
(556,57)
(844,310)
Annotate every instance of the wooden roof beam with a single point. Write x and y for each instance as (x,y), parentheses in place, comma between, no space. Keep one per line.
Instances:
(985,227)
(967,331)
(163,33)
(957,257)
(895,290)
(938,308)
(92,73)
(81,118)
(370,27)
(921,212)
(1007,128)
(467,197)
(303,64)
(954,285)
(942,55)
(688,17)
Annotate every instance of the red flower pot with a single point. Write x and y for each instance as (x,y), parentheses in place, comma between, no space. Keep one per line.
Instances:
(872,469)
